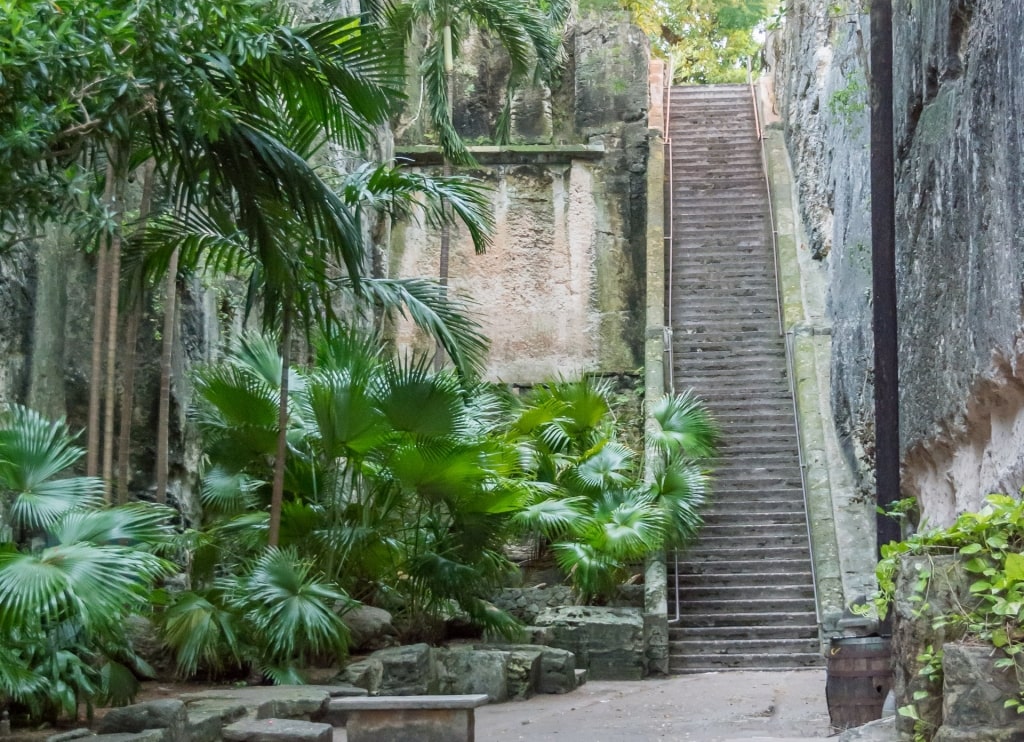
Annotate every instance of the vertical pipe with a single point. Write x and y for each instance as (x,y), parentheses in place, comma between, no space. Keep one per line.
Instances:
(883,256)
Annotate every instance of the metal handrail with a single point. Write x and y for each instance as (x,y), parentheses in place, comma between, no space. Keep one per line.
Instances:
(787,338)
(668,358)
(768,189)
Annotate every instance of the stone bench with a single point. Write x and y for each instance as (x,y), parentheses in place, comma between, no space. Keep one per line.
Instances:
(409,718)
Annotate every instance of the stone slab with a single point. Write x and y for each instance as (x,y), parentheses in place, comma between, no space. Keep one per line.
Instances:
(386,703)
(277,730)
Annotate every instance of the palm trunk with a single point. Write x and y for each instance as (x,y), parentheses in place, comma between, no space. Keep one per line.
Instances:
(277,490)
(446,230)
(113,297)
(92,458)
(164,404)
(131,338)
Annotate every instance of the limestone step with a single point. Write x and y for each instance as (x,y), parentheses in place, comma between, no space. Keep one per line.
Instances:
(702,648)
(762,633)
(767,618)
(744,580)
(782,661)
(767,554)
(786,565)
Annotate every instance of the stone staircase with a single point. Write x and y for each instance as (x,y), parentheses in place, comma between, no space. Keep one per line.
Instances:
(745,589)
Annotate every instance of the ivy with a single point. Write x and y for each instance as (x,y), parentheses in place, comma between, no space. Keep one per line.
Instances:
(990,544)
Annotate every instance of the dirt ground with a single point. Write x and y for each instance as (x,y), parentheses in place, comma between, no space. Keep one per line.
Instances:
(713,707)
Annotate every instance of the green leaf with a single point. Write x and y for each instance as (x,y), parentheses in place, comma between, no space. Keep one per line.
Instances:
(1014,566)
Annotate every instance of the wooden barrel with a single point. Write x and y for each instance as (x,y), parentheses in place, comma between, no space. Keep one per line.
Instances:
(859,679)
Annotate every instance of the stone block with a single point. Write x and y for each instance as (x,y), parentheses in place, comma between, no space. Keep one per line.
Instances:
(609,642)
(70,735)
(466,670)
(522,673)
(370,628)
(882,730)
(366,674)
(407,671)
(166,714)
(973,694)
(557,666)
(448,718)
(277,730)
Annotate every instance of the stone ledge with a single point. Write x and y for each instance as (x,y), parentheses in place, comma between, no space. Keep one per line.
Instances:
(387,703)
(278,730)
(537,154)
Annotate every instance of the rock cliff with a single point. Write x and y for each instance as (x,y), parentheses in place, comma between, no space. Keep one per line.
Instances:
(959,227)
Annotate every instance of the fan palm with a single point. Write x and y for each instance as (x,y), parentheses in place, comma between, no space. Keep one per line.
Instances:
(389,473)
(62,608)
(598,513)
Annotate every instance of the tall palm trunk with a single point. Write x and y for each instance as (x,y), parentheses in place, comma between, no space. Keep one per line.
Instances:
(92,459)
(164,404)
(277,490)
(118,155)
(131,338)
(446,230)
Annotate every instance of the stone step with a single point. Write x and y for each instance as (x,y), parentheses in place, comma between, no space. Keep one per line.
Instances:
(716,648)
(745,580)
(764,518)
(780,617)
(719,633)
(767,554)
(784,565)
(708,595)
(794,529)
(790,661)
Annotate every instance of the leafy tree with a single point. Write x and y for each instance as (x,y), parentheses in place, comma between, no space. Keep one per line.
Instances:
(708,41)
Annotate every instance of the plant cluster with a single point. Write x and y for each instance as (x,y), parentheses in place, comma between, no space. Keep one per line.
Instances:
(71,572)
(403,486)
(990,545)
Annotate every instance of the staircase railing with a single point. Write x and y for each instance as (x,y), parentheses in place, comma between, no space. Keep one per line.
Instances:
(669,205)
(787,336)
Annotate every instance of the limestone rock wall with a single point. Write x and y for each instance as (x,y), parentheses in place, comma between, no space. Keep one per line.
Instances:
(959,226)
(561,288)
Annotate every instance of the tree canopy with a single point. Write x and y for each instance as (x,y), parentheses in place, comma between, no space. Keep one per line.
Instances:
(709,41)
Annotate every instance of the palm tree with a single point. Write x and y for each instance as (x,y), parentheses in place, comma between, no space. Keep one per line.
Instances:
(530,37)
(298,279)
(599,513)
(62,608)
(396,485)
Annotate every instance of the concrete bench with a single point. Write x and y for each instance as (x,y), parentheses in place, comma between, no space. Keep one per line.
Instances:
(409,718)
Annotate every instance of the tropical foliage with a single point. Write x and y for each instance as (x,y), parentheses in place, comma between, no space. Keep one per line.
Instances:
(70,573)
(598,511)
(990,546)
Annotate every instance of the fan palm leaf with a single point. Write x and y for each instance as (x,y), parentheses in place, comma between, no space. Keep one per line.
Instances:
(683,426)
(33,452)
(291,608)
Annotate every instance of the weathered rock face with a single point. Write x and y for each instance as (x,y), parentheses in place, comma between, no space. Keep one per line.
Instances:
(560,290)
(959,226)
(609,642)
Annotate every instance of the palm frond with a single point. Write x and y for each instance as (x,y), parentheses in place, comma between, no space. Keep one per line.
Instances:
(554,517)
(291,608)
(33,452)
(684,426)
(226,491)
